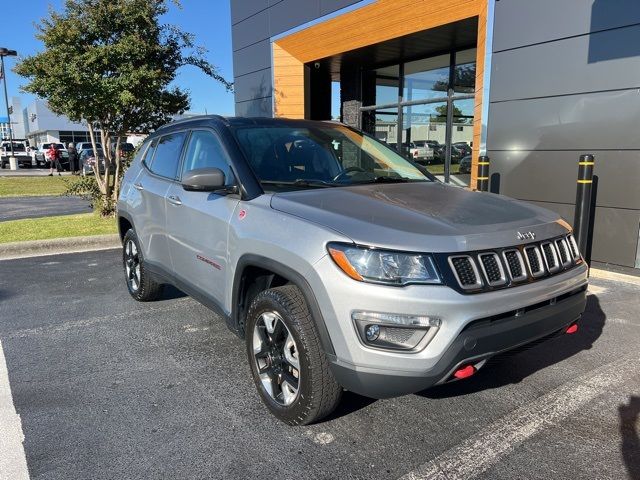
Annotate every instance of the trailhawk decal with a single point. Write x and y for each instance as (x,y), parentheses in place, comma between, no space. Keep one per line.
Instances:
(215,265)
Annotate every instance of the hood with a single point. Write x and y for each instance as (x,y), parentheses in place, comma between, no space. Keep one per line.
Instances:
(428,216)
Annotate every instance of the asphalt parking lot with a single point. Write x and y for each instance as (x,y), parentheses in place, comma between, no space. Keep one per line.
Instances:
(16,208)
(109,388)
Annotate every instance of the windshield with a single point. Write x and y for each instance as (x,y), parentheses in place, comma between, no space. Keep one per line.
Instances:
(321,156)
(17,147)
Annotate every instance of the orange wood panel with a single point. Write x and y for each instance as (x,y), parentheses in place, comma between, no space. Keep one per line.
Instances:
(380,21)
(477,113)
(288,75)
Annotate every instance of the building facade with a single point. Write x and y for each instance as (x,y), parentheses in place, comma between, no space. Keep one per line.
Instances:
(15,121)
(533,85)
(42,125)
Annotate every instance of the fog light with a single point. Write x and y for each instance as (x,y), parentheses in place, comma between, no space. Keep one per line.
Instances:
(372,332)
(395,331)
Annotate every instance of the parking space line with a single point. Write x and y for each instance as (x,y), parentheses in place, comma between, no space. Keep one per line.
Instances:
(487,447)
(13,461)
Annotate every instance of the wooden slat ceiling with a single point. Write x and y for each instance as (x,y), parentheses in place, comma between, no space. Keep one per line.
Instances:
(454,36)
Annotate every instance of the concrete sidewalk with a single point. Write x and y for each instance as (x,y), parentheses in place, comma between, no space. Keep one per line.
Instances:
(29,172)
(54,246)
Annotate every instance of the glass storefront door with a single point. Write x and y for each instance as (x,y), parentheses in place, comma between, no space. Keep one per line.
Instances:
(424,109)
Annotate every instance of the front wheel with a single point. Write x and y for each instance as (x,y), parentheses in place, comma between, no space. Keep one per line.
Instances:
(139,282)
(289,367)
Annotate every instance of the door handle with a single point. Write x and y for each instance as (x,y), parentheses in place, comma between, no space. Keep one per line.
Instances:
(138,186)
(173,200)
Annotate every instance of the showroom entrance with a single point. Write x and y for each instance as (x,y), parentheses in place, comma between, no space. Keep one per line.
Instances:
(419,92)
(425,109)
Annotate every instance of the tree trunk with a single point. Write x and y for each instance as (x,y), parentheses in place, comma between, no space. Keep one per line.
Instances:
(116,180)
(106,140)
(96,166)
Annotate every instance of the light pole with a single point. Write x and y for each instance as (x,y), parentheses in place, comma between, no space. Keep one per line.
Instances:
(5,52)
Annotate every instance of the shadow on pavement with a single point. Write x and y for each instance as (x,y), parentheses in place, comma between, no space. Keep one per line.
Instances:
(351,402)
(630,445)
(5,294)
(169,292)
(512,367)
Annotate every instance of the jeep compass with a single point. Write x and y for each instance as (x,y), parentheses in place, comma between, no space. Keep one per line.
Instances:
(341,264)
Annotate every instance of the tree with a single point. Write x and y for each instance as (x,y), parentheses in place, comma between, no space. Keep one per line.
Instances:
(110,64)
(441,111)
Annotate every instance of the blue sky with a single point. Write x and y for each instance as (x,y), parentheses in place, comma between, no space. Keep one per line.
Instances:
(209,20)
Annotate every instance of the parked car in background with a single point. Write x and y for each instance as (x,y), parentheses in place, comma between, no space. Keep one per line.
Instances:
(21,153)
(88,161)
(419,152)
(465,165)
(40,155)
(438,150)
(339,262)
(463,147)
(126,149)
(85,145)
(457,153)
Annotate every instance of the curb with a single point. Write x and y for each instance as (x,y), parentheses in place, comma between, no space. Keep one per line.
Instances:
(56,246)
(614,276)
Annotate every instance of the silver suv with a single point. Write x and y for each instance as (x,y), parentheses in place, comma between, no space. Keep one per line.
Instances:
(340,263)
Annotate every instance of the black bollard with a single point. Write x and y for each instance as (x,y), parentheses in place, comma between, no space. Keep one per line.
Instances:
(584,202)
(483,174)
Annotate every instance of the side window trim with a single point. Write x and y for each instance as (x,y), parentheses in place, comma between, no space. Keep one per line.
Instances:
(227,157)
(147,162)
(142,153)
(155,143)
(185,149)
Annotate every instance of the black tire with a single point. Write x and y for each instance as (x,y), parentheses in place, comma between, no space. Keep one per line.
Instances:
(318,393)
(139,282)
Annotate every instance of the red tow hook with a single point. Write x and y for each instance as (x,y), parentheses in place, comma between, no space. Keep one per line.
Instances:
(573,328)
(464,372)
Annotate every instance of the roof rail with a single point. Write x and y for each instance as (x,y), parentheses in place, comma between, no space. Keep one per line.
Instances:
(191,119)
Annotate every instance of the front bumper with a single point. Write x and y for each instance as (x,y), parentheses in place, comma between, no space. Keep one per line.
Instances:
(490,318)
(479,341)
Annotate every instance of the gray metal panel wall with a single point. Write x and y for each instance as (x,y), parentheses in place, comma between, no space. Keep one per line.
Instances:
(525,22)
(565,80)
(254,22)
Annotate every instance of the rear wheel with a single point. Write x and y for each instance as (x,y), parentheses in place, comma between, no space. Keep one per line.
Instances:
(288,364)
(139,282)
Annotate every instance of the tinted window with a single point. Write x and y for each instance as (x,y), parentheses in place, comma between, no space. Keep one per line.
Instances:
(140,153)
(205,151)
(167,156)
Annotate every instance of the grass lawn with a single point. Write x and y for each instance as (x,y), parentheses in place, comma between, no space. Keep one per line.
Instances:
(56,227)
(31,186)
(438,169)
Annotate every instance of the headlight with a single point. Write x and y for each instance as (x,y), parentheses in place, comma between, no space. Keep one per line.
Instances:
(384,266)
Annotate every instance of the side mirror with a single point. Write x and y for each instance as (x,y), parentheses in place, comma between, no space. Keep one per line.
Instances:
(203,180)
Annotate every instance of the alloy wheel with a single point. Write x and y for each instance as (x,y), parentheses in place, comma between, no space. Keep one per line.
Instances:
(276,358)
(132,265)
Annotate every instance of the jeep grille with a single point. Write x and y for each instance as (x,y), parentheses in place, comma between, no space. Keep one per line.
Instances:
(486,270)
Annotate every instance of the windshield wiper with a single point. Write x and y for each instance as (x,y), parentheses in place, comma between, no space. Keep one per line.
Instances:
(300,183)
(391,180)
